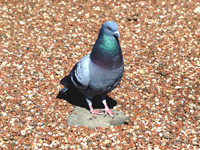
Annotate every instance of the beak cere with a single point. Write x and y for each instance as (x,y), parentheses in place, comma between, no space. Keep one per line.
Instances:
(117,34)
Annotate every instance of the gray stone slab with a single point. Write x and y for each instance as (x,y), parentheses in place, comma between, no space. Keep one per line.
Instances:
(82,117)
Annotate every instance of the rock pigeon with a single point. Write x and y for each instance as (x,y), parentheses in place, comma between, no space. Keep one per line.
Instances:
(100,71)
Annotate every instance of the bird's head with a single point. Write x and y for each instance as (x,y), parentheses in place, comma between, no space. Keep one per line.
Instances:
(110,28)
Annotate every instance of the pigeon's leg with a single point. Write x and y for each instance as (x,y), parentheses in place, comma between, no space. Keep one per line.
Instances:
(91,108)
(106,109)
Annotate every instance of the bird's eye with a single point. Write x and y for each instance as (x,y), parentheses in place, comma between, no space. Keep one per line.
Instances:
(109,28)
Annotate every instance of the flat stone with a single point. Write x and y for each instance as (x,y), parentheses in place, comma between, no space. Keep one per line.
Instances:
(82,117)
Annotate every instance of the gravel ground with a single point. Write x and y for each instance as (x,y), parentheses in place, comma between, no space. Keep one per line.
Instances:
(41,41)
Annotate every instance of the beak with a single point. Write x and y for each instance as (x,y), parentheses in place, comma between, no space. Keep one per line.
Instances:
(117,34)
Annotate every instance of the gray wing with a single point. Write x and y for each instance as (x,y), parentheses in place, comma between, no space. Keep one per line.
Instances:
(80,74)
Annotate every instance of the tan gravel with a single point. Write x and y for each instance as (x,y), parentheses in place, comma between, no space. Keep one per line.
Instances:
(40,41)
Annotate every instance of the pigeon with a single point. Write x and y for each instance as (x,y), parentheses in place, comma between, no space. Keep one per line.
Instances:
(100,71)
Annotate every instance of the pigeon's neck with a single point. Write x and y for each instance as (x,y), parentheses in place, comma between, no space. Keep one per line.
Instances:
(107,52)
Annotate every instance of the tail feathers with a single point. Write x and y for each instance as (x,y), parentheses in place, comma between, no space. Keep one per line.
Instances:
(63,90)
(65,81)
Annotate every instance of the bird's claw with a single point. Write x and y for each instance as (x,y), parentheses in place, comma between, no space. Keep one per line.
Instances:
(95,112)
(108,111)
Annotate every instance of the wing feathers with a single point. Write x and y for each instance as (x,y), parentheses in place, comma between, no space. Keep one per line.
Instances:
(80,76)
(77,83)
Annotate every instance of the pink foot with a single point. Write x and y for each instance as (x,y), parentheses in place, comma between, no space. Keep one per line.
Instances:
(95,112)
(108,111)
(91,108)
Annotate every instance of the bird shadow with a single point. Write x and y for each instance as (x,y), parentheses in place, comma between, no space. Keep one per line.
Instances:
(75,97)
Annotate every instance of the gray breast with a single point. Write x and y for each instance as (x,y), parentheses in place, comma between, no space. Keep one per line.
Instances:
(102,80)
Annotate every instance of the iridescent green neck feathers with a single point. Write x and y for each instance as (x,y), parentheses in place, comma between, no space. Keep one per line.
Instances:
(109,45)
(107,52)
